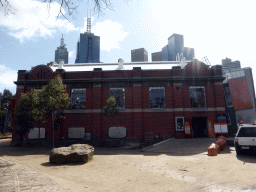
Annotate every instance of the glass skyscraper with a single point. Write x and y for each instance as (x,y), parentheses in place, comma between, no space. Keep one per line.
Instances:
(176,47)
(88,48)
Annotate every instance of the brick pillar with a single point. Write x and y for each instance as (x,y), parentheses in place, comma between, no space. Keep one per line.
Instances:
(169,99)
(137,114)
(96,94)
(178,106)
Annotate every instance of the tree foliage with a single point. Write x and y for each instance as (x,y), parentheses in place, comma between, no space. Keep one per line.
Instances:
(110,109)
(26,112)
(36,106)
(2,115)
(55,97)
(6,99)
(5,104)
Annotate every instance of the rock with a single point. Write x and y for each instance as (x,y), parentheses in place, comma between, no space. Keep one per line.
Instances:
(75,153)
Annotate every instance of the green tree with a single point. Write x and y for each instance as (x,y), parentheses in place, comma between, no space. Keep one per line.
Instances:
(24,113)
(110,109)
(55,99)
(6,105)
(2,115)
(36,106)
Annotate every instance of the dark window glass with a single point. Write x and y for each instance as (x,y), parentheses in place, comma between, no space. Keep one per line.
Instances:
(197,96)
(119,94)
(247,132)
(78,99)
(157,97)
(228,97)
(179,123)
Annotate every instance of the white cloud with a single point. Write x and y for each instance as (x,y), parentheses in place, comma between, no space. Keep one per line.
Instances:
(71,54)
(33,18)
(7,77)
(111,33)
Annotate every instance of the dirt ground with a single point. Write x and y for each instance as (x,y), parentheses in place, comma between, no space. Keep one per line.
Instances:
(119,170)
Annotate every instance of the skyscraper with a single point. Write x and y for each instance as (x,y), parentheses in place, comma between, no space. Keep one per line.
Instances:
(228,65)
(176,47)
(88,47)
(61,54)
(139,55)
(188,53)
(157,56)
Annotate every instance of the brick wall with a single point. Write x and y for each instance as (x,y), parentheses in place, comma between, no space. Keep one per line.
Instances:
(137,117)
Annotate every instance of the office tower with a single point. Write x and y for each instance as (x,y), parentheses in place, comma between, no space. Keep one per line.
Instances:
(228,65)
(61,54)
(157,56)
(88,47)
(139,55)
(165,53)
(176,47)
(188,53)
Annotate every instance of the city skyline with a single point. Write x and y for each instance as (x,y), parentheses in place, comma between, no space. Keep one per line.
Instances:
(30,36)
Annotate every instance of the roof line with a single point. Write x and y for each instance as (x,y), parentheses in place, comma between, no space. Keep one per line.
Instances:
(132,63)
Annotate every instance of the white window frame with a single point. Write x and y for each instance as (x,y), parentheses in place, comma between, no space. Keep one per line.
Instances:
(204,96)
(72,94)
(164,96)
(176,125)
(118,88)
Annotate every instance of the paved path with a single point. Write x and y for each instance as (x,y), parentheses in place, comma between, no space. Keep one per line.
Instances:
(17,178)
(183,146)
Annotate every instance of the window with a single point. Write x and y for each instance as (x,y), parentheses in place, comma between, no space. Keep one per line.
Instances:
(78,98)
(247,132)
(157,97)
(228,97)
(119,94)
(179,123)
(197,96)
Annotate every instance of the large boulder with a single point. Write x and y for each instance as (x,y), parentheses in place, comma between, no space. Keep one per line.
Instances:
(75,153)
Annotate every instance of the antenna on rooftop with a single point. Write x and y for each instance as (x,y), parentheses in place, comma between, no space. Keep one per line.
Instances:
(89,22)
(206,60)
(62,42)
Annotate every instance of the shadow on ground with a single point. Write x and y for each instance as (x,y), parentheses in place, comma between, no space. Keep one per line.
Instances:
(248,156)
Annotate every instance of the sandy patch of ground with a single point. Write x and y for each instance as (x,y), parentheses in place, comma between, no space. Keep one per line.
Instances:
(118,170)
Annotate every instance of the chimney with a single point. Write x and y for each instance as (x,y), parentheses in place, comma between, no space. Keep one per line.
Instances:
(120,64)
(61,63)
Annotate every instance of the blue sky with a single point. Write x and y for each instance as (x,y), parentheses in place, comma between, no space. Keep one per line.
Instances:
(217,29)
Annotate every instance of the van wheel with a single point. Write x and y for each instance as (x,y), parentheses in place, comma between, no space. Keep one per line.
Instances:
(238,151)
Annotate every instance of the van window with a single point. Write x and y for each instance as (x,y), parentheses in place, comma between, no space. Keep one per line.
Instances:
(247,132)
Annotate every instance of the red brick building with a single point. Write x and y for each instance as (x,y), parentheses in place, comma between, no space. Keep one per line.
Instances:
(153,98)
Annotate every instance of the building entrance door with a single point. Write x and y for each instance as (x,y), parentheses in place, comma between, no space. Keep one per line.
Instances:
(199,126)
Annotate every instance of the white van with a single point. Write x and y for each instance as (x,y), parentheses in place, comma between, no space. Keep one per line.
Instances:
(245,138)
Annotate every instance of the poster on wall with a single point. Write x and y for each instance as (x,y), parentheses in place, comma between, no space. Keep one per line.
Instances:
(187,129)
